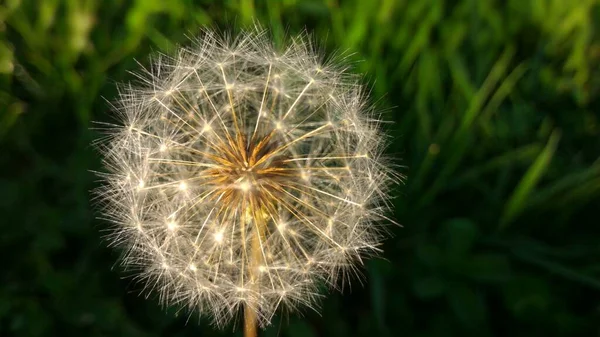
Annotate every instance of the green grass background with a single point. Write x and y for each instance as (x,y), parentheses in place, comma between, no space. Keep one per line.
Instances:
(496,115)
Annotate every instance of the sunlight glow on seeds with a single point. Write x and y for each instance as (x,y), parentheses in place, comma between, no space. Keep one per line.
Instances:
(163,148)
(244,186)
(281,226)
(171,226)
(219,237)
(192,267)
(141,184)
(182,186)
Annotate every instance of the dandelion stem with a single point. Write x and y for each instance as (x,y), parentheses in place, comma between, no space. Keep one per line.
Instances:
(249,322)
(254,216)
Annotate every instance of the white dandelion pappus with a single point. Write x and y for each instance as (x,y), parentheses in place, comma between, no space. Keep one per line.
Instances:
(242,175)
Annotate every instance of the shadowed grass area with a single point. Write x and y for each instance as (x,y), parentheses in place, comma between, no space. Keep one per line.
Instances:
(496,115)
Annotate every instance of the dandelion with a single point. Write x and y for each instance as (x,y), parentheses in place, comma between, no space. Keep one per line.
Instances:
(241,176)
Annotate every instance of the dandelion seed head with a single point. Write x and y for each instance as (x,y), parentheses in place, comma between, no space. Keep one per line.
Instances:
(237,143)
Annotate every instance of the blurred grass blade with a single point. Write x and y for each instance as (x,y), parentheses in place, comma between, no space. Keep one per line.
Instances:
(462,140)
(568,183)
(460,76)
(11,115)
(558,269)
(247,12)
(517,201)
(520,154)
(501,93)
(497,72)
(582,193)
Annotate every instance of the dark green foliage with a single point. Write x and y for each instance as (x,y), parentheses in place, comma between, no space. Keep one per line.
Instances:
(496,116)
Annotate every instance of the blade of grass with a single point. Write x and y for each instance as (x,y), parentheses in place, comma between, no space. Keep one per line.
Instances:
(582,193)
(461,139)
(520,154)
(558,269)
(577,179)
(517,201)
(501,93)
(10,117)
(496,73)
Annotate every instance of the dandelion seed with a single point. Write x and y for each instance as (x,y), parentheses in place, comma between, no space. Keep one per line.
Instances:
(269,160)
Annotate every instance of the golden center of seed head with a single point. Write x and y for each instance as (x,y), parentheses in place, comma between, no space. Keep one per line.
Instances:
(251,171)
